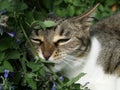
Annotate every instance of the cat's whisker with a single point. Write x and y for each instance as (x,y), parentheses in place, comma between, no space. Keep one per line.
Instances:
(71,58)
(67,63)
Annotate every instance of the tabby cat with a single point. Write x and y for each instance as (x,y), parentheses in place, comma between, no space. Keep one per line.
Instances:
(74,47)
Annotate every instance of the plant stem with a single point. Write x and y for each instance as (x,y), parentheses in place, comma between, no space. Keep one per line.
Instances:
(33,50)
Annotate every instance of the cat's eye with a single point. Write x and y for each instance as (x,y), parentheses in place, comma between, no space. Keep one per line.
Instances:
(37,41)
(62,41)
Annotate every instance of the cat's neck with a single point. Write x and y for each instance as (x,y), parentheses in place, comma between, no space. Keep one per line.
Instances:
(86,64)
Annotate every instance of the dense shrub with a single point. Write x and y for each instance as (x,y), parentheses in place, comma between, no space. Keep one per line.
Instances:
(17,71)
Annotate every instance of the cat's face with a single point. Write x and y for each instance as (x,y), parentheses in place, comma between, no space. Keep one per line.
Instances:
(67,41)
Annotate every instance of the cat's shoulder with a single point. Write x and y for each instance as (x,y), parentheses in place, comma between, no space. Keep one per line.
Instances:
(111,22)
(109,26)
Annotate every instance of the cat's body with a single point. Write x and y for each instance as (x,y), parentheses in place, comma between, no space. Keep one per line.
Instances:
(103,72)
(75,48)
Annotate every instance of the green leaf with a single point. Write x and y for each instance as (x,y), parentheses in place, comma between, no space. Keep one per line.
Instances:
(58,2)
(68,1)
(2,56)
(2,69)
(5,44)
(110,2)
(76,3)
(29,16)
(22,6)
(60,12)
(78,11)
(8,43)
(4,4)
(8,66)
(77,86)
(16,79)
(38,25)
(71,10)
(47,4)
(12,5)
(42,71)
(29,79)
(29,75)
(34,66)
(74,79)
(101,8)
(22,61)
(13,54)
(49,23)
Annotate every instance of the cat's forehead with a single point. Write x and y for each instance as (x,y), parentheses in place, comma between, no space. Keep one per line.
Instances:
(61,27)
(64,29)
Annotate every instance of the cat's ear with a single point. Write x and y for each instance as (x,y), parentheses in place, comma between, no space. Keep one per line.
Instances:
(86,18)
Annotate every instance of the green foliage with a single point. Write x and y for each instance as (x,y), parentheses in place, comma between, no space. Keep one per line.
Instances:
(43,25)
(27,73)
(49,24)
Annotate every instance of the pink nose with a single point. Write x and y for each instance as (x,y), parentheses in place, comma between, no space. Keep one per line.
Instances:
(46,55)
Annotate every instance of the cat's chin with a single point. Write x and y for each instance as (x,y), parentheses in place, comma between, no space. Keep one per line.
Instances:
(58,67)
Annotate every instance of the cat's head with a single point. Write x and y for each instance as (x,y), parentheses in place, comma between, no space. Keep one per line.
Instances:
(69,40)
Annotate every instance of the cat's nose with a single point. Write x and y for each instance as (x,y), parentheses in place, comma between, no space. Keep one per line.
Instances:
(46,55)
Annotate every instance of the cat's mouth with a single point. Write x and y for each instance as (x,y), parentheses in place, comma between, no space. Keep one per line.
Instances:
(55,67)
(55,60)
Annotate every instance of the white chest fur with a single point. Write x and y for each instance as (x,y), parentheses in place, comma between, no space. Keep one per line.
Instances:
(86,64)
(95,75)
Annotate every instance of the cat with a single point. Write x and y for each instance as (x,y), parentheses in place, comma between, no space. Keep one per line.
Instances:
(76,46)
